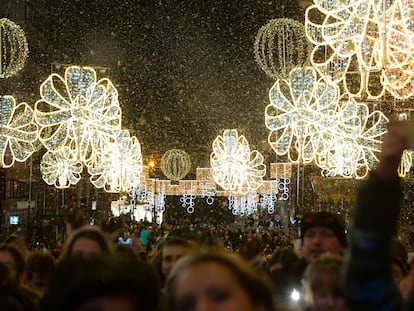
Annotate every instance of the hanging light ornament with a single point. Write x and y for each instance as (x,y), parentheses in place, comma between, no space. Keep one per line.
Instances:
(61,168)
(18,132)
(398,74)
(78,112)
(235,167)
(175,164)
(352,146)
(309,122)
(369,41)
(407,157)
(280,46)
(302,110)
(13,48)
(119,165)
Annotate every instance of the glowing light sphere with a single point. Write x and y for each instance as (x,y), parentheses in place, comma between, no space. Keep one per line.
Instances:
(175,164)
(301,112)
(77,111)
(280,46)
(18,132)
(13,48)
(61,169)
(234,166)
(119,166)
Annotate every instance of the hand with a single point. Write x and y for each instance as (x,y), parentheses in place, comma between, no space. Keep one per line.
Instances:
(394,143)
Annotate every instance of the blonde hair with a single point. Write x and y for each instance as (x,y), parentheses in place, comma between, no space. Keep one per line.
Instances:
(324,272)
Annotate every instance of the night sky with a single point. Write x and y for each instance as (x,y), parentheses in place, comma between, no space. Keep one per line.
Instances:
(184,70)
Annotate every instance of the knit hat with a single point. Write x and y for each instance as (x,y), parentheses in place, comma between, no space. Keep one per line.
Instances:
(324,219)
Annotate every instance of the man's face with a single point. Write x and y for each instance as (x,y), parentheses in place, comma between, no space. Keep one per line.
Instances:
(170,255)
(320,240)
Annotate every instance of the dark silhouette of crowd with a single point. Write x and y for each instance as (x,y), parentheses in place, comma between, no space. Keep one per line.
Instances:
(125,266)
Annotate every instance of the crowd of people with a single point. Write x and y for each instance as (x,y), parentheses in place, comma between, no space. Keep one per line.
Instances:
(127,266)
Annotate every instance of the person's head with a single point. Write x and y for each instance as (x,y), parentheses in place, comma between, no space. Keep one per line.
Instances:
(86,241)
(219,282)
(103,282)
(321,280)
(11,297)
(281,258)
(322,232)
(173,250)
(39,269)
(14,259)
(17,242)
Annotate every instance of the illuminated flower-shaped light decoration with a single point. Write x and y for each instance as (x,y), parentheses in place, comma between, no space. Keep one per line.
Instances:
(120,164)
(351,40)
(234,166)
(302,111)
(13,48)
(371,40)
(280,46)
(175,164)
(77,111)
(398,74)
(61,168)
(351,149)
(18,132)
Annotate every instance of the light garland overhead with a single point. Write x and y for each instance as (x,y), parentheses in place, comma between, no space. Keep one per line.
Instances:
(235,167)
(280,46)
(302,108)
(18,132)
(61,169)
(175,164)
(119,164)
(13,48)
(78,112)
(368,39)
(243,205)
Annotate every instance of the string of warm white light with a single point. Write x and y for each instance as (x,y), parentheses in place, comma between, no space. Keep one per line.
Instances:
(243,204)
(407,157)
(235,167)
(18,132)
(13,48)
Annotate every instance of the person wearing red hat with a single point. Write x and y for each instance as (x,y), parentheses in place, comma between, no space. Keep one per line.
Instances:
(321,233)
